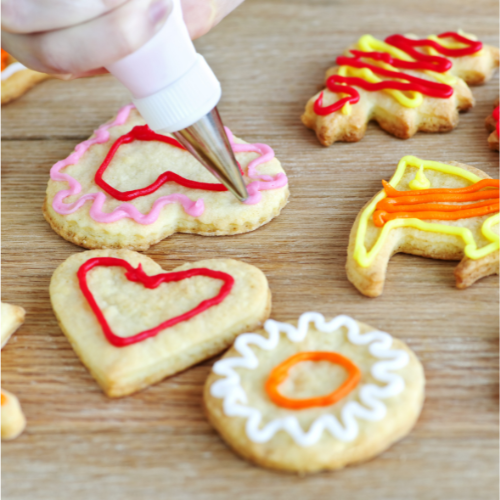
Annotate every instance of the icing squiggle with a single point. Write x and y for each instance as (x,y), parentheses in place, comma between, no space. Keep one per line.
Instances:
(127,210)
(365,258)
(397,52)
(263,182)
(346,428)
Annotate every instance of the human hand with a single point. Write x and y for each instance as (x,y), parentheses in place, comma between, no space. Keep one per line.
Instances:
(72,39)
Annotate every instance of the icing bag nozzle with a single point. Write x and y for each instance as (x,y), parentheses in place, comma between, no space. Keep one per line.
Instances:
(207,141)
(176,92)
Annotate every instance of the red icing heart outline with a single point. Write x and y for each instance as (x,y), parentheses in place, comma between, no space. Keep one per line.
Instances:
(144,133)
(139,276)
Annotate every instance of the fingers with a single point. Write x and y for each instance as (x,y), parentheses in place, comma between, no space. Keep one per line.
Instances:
(30,16)
(201,16)
(82,48)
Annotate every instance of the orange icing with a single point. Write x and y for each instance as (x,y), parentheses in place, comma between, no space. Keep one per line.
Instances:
(424,204)
(5,59)
(280,373)
(4,399)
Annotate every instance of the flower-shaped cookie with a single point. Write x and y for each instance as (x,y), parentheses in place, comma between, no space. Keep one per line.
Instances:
(313,396)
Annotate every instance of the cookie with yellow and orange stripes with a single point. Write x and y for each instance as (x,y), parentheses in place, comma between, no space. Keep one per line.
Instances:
(431,209)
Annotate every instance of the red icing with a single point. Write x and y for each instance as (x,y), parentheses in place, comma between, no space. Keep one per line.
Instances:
(412,83)
(144,133)
(139,276)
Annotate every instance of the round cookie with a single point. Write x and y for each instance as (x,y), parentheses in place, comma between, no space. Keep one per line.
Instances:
(376,408)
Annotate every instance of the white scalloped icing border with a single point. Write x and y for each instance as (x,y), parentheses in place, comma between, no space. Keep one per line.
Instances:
(235,399)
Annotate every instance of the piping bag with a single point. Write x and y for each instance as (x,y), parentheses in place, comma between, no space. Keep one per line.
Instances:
(176,92)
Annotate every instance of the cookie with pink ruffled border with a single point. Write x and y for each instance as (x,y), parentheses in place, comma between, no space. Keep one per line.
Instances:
(124,187)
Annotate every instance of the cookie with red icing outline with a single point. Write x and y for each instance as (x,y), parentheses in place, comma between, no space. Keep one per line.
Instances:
(133,324)
(492,125)
(13,419)
(17,79)
(405,84)
(127,187)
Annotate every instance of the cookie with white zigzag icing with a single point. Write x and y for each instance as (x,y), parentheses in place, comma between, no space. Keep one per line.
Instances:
(317,396)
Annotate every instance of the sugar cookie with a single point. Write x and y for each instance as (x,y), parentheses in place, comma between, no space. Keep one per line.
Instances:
(127,187)
(131,328)
(405,84)
(464,228)
(493,127)
(13,420)
(17,79)
(12,319)
(320,395)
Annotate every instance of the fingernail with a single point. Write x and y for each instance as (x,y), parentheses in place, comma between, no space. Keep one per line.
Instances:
(159,10)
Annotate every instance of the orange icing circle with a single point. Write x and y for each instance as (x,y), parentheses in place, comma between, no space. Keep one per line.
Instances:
(280,373)
(4,399)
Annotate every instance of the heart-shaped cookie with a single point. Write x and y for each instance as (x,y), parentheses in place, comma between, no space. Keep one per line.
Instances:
(128,187)
(132,324)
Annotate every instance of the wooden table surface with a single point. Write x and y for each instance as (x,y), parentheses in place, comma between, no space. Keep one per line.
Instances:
(270,57)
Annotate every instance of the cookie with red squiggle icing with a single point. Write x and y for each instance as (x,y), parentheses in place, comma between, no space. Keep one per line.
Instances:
(127,187)
(133,324)
(17,79)
(405,84)
(492,124)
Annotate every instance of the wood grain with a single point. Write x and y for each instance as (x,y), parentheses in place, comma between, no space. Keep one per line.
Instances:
(270,57)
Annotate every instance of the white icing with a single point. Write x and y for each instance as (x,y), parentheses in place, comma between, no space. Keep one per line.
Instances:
(11,69)
(235,399)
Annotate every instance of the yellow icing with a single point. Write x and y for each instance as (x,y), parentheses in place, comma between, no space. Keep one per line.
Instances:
(368,43)
(420,181)
(452,44)
(365,258)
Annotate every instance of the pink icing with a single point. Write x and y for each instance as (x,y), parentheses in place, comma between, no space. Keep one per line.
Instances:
(264,182)
(127,210)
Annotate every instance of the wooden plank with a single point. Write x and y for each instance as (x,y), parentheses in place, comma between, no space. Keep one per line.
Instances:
(270,57)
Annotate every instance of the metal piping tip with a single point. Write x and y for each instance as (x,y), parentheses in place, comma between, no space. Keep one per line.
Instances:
(207,141)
